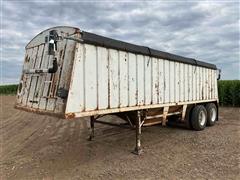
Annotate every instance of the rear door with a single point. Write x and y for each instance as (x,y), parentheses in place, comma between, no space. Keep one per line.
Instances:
(43,72)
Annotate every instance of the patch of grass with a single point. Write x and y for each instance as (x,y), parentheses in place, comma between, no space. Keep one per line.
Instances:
(8,89)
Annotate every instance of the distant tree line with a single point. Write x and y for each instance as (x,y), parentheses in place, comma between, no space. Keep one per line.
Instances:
(8,89)
(229,92)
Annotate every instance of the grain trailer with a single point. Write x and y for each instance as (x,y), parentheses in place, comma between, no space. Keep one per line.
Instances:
(71,73)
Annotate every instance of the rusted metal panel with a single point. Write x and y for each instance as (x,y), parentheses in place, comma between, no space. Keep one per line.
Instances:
(114,78)
(176,82)
(181,74)
(155,80)
(166,81)
(190,82)
(186,82)
(140,80)
(197,83)
(32,78)
(211,84)
(25,80)
(103,70)
(132,79)
(123,78)
(69,55)
(60,54)
(161,81)
(148,79)
(34,82)
(200,83)
(172,89)
(39,60)
(46,77)
(77,100)
(215,84)
(90,59)
(206,83)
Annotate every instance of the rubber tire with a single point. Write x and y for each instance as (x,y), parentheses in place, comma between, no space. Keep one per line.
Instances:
(209,106)
(194,118)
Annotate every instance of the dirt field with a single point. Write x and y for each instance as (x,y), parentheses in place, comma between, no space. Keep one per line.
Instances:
(41,147)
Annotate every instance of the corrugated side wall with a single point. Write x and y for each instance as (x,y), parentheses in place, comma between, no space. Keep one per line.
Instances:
(107,80)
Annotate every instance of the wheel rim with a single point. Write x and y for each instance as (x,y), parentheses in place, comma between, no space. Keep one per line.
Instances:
(213,114)
(202,118)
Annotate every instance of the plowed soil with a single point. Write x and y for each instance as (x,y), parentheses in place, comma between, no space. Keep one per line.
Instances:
(41,147)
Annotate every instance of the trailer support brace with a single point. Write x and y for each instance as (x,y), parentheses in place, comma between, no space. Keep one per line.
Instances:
(184,112)
(165,112)
(138,149)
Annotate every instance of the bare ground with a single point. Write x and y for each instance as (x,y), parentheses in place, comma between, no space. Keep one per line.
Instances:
(41,147)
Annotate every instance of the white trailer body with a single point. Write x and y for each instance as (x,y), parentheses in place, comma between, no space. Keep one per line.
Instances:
(97,75)
(71,73)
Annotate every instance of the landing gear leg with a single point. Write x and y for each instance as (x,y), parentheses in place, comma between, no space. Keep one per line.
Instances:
(138,149)
(92,121)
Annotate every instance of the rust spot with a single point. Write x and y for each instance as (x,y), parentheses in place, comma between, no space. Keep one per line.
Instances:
(60,54)
(27,59)
(69,115)
(38,111)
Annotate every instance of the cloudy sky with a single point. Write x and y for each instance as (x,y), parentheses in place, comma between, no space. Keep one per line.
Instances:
(205,30)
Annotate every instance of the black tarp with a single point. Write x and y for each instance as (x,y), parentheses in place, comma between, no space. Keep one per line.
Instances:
(120,45)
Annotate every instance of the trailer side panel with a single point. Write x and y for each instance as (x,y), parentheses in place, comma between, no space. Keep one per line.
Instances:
(107,80)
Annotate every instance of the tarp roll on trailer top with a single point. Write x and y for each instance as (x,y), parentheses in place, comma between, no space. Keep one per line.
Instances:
(124,46)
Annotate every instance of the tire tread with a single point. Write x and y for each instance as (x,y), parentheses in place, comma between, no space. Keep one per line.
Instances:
(208,107)
(194,117)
